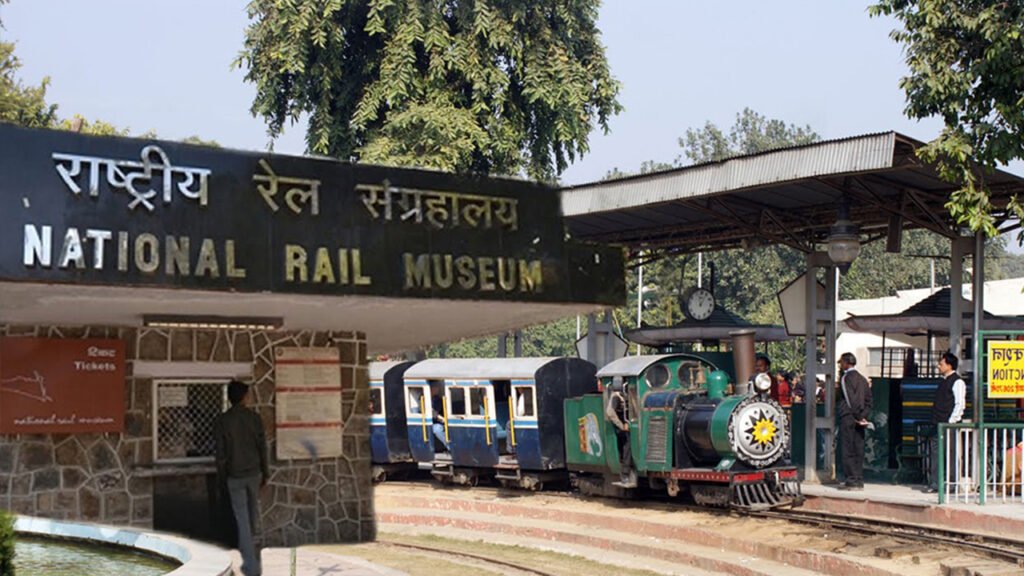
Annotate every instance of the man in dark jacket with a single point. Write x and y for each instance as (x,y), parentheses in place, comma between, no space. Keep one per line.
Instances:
(950,399)
(242,463)
(854,407)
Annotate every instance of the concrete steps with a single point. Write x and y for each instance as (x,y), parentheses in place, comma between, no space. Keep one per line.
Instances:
(680,538)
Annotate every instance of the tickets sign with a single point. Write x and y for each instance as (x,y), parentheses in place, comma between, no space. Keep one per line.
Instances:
(57,386)
(1006,369)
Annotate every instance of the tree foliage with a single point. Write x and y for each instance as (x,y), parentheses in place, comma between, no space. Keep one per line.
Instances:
(490,86)
(7,537)
(21,104)
(751,133)
(965,59)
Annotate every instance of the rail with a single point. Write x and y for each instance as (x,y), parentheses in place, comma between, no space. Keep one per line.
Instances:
(1008,549)
(502,565)
(1000,453)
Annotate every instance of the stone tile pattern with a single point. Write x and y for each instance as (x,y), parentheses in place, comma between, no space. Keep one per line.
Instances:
(94,477)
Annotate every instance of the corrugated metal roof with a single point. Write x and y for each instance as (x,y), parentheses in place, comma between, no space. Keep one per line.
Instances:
(632,365)
(850,155)
(782,196)
(476,368)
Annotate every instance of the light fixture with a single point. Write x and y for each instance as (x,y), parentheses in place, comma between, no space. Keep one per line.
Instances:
(843,239)
(212,322)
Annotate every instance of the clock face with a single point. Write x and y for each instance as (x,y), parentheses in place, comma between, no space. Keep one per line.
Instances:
(700,304)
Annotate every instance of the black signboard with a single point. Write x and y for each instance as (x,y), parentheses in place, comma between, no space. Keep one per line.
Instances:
(122,211)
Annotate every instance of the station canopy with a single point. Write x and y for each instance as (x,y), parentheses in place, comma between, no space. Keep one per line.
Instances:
(785,196)
(930,316)
(719,326)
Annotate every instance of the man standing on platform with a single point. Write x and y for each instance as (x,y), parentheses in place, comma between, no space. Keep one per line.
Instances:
(242,462)
(948,408)
(854,407)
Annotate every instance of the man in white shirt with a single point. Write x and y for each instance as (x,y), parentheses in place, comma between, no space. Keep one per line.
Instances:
(948,408)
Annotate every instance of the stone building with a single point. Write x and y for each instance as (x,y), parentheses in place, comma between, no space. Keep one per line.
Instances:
(138,277)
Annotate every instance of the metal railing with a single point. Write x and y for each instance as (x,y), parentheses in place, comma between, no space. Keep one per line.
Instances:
(1000,451)
(894,363)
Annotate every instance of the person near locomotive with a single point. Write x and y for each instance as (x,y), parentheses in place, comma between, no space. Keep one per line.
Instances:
(782,389)
(950,399)
(762,365)
(854,408)
(241,458)
(616,411)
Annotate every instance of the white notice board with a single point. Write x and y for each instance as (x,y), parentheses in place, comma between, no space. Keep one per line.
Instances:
(308,403)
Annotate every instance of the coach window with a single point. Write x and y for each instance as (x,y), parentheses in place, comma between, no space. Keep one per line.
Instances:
(416,400)
(523,396)
(477,399)
(377,401)
(457,401)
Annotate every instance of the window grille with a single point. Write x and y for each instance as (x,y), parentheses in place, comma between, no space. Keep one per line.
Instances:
(184,412)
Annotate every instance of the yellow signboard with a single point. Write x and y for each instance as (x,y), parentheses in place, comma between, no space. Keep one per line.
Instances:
(1006,369)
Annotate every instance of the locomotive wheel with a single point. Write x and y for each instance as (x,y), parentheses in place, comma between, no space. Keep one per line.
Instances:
(672,487)
(537,487)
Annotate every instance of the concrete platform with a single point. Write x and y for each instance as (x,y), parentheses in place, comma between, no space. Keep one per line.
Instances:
(911,504)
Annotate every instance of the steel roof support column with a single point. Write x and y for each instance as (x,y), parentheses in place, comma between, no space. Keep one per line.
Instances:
(819,315)
(956,283)
(828,317)
(978,294)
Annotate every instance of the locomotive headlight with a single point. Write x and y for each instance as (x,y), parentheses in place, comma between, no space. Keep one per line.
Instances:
(763,382)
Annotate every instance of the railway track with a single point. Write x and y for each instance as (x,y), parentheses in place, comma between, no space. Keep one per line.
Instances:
(992,546)
(1006,549)
(502,565)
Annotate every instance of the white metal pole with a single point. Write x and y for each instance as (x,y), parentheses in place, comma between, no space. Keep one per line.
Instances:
(700,268)
(578,327)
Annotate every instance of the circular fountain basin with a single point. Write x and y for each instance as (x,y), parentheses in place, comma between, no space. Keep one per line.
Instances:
(58,548)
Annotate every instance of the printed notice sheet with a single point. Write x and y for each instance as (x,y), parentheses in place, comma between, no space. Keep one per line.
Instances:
(308,391)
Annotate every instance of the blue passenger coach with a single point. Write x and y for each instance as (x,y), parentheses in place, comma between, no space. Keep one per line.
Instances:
(472,417)
(389,437)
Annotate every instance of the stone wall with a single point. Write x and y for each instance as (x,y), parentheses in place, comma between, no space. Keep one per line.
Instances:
(104,477)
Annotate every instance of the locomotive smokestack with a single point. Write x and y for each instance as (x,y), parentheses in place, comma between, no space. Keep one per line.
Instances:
(743,355)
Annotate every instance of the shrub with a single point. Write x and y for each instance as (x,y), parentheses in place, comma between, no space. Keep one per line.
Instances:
(6,543)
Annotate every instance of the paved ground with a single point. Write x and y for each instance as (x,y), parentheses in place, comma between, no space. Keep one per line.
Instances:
(277,562)
(910,504)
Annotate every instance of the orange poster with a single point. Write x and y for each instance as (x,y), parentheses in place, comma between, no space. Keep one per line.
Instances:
(55,386)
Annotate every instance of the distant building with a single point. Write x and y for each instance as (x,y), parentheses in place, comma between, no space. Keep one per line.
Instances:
(1002,298)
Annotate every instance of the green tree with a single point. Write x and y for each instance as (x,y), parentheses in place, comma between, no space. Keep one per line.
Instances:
(965,59)
(751,133)
(21,104)
(476,85)
(7,537)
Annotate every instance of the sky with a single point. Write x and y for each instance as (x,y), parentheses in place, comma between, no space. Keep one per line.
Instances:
(166,65)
